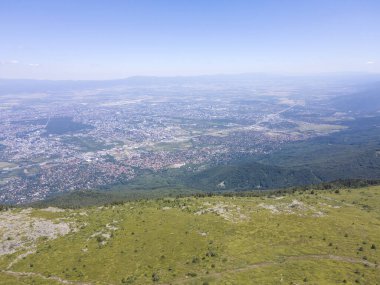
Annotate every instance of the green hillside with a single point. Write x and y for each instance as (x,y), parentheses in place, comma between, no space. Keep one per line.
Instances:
(310,237)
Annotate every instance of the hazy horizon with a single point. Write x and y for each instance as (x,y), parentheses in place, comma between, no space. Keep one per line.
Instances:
(213,75)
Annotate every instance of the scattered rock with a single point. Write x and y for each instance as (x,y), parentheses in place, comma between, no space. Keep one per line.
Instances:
(294,207)
(228,212)
(53,210)
(18,230)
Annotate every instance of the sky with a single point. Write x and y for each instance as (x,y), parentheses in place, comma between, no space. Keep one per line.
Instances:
(91,39)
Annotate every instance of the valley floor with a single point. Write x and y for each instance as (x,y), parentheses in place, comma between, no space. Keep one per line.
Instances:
(313,237)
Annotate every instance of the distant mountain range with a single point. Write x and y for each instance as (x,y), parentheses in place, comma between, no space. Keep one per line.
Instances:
(251,79)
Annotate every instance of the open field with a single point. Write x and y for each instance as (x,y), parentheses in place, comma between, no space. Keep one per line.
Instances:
(313,237)
(321,128)
(4,164)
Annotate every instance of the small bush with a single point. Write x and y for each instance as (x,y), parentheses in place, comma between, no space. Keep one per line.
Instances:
(155,277)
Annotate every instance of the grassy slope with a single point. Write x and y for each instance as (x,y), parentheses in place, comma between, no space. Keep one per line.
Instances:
(321,241)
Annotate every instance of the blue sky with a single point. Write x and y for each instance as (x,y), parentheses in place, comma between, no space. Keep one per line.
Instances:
(90,39)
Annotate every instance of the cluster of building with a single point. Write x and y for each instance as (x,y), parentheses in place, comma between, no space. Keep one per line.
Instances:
(123,136)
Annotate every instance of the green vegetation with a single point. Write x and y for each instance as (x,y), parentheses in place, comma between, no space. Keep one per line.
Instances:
(62,125)
(250,175)
(351,153)
(170,146)
(10,279)
(78,199)
(293,237)
(84,143)
(120,194)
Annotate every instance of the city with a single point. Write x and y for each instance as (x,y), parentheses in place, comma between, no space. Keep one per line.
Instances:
(54,143)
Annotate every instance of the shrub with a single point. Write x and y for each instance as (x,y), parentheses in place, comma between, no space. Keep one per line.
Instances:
(128,280)
(155,277)
(100,239)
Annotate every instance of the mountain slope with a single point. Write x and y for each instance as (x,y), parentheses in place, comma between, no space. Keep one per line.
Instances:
(318,237)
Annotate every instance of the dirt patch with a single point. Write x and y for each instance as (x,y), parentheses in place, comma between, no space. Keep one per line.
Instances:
(53,210)
(229,212)
(18,230)
(294,207)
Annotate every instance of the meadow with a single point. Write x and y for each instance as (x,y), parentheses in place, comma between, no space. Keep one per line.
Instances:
(306,237)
